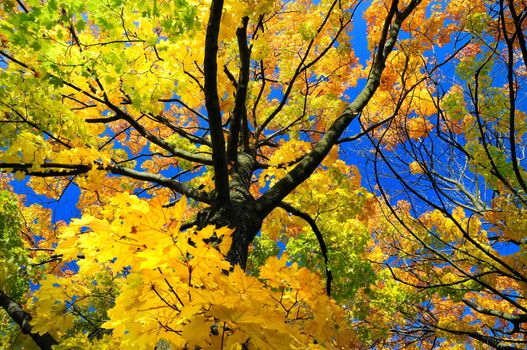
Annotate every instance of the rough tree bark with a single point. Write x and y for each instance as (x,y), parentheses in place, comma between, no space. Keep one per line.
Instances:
(239,212)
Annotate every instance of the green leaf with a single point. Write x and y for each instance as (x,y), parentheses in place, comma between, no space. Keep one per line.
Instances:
(80,25)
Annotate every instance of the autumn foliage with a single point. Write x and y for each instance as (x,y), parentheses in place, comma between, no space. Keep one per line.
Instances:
(227,174)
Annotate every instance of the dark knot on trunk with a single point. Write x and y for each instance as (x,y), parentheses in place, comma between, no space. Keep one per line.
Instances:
(240,215)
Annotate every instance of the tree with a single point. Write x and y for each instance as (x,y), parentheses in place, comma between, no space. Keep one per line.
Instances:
(138,97)
(189,128)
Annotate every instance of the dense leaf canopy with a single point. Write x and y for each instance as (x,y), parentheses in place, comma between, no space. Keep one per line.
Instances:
(263,174)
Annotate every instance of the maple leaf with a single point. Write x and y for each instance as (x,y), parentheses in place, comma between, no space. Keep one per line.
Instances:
(246,174)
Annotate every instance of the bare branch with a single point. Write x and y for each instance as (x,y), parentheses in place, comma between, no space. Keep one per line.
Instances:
(323,248)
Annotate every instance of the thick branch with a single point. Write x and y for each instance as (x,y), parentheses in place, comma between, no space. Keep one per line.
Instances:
(512,98)
(22,318)
(494,342)
(305,168)
(157,140)
(161,180)
(504,315)
(518,21)
(21,4)
(210,63)
(55,169)
(47,169)
(239,114)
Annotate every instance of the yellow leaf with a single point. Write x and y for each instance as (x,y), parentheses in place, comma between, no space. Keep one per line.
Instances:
(197,331)
(416,168)
(19,175)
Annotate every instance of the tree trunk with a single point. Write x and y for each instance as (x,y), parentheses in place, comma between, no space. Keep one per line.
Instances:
(239,213)
(240,216)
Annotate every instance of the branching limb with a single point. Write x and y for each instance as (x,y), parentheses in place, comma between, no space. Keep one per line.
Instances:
(516,318)
(403,96)
(512,91)
(55,169)
(239,114)
(494,342)
(305,168)
(212,103)
(157,140)
(298,71)
(380,156)
(120,114)
(22,318)
(161,180)
(323,248)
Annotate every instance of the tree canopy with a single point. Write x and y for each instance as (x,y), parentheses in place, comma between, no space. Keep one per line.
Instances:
(263,174)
